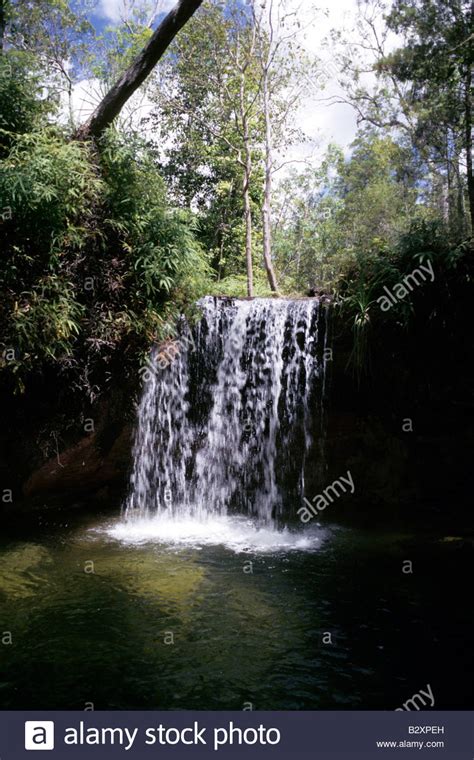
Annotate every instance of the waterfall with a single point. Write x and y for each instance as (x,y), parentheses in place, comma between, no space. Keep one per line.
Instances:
(227,419)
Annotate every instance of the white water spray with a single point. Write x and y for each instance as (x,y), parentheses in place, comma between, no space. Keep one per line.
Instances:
(221,426)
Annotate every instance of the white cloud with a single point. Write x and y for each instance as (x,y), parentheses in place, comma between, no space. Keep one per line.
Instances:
(331,123)
(88,93)
(325,123)
(115,10)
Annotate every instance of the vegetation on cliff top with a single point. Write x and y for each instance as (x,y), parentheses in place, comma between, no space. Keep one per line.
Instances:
(103,243)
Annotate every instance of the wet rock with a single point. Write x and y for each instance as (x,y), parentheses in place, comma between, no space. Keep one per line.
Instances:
(84,468)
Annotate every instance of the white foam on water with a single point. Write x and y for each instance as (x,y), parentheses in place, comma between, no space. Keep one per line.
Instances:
(237,533)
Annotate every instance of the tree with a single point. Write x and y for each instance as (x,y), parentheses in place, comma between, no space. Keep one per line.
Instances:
(437,60)
(308,237)
(423,89)
(347,212)
(213,112)
(51,37)
(113,102)
(285,71)
(95,264)
(242,55)
(233,116)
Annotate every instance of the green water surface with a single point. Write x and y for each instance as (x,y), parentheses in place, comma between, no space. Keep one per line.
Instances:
(94,621)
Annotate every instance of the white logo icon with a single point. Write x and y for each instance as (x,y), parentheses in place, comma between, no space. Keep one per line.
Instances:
(39,734)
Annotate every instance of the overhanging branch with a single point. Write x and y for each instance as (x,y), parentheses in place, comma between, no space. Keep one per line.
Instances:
(113,102)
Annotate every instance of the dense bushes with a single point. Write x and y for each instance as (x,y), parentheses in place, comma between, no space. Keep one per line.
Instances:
(21,105)
(432,301)
(93,260)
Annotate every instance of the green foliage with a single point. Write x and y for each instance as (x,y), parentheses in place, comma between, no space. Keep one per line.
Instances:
(20,108)
(235,286)
(159,242)
(53,39)
(198,91)
(116,48)
(307,232)
(421,90)
(354,227)
(425,242)
(345,211)
(94,262)
(434,66)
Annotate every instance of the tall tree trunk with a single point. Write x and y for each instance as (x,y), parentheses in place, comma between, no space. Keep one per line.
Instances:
(248,219)
(468,119)
(247,169)
(267,193)
(462,223)
(449,210)
(111,105)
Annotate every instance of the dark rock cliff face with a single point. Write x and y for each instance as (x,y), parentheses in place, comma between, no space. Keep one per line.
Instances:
(405,432)
(56,452)
(84,468)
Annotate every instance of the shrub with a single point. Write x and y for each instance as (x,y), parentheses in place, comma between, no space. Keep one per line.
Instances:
(94,262)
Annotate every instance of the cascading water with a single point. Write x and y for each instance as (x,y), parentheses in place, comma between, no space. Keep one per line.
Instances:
(225,426)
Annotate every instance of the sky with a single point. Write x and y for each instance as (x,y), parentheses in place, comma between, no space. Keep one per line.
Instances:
(112,10)
(323,124)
